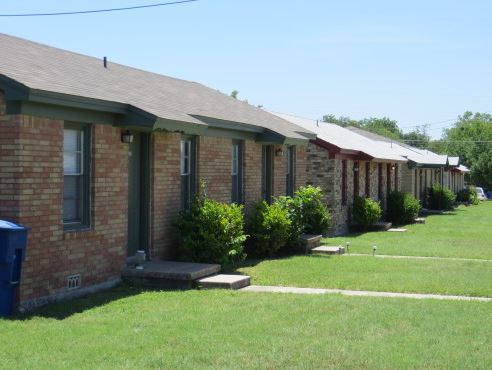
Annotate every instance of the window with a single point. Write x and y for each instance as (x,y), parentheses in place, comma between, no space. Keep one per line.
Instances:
(76,197)
(290,176)
(380,181)
(344,182)
(237,172)
(356,179)
(396,176)
(187,171)
(368,179)
(266,172)
(388,178)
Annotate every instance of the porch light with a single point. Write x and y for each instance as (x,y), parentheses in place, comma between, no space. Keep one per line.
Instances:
(127,137)
(393,166)
(279,152)
(356,167)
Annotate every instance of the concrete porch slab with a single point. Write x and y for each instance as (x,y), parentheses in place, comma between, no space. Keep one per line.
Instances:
(324,249)
(397,230)
(169,274)
(381,226)
(224,281)
(420,220)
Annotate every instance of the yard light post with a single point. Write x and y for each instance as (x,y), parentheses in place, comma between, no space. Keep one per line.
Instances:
(374,248)
(348,247)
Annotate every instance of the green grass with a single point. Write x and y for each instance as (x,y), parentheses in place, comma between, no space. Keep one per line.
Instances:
(466,233)
(126,329)
(376,274)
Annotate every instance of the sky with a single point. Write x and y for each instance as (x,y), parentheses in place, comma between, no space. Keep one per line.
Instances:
(418,62)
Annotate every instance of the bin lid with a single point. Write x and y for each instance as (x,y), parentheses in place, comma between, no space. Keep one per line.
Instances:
(7,225)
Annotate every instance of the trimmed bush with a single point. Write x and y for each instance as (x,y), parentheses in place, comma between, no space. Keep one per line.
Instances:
(211,232)
(270,228)
(440,198)
(403,208)
(365,211)
(468,195)
(307,212)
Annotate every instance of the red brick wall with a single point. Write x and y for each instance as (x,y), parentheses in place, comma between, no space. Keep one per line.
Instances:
(214,167)
(252,172)
(165,193)
(31,167)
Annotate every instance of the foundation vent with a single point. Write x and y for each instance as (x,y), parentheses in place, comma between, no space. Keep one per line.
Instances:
(73,282)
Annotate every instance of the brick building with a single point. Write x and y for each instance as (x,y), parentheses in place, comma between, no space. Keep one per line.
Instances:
(99,158)
(345,164)
(424,167)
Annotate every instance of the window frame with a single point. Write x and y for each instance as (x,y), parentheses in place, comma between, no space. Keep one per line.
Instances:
(368,179)
(237,173)
(267,173)
(84,220)
(290,171)
(344,182)
(190,172)
(380,181)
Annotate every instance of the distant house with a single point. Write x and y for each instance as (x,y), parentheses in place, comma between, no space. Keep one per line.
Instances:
(424,167)
(99,158)
(345,164)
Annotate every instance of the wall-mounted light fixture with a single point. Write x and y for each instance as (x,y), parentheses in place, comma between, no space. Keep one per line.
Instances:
(393,166)
(279,152)
(356,167)
(127,137)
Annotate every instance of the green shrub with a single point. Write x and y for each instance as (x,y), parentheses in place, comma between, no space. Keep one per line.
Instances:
(270,228)
(365,211)
(440,198)
(307,213)
(403,208)
(468,195)
(211,232)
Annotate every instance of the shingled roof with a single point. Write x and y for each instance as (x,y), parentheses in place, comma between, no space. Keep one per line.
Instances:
(345,140)
(416,156)
(34,69)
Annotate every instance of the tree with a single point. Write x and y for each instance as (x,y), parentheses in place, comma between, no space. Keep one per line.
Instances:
(417,138)
(468,139)
(234,94)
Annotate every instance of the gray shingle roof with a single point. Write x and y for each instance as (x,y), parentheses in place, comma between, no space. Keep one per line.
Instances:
(345,139)
(45,68)
(419,156)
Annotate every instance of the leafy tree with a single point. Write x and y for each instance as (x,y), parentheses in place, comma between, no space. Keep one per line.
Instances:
(234,94)
(468,140)
(417,138)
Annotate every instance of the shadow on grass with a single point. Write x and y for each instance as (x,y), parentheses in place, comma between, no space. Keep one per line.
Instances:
(63,310)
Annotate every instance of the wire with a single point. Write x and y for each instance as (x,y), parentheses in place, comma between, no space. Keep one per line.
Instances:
(98,10)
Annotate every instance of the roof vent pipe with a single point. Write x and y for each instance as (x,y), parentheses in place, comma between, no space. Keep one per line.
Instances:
(105,62)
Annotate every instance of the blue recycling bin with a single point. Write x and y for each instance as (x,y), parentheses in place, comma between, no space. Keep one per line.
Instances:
(13,242)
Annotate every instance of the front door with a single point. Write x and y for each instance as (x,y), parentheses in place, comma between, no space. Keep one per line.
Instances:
(138,194)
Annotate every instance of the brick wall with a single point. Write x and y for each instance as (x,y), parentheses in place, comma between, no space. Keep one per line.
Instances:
(165,193)
(214,158)
(252,172)
(31,168)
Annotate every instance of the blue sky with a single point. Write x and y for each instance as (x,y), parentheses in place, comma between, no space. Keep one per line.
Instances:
(413,61)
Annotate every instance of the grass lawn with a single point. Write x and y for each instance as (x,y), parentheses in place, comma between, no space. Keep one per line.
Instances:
(128,329)
(467,233)
(379,274)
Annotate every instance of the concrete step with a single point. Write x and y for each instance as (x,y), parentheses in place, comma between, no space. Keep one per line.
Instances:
(325,249)
(169,274)
(397,230)
(309,242)
(224,281)
(420,220)
(381,226)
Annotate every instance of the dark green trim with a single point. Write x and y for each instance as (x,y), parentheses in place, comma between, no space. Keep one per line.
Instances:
(145,193)
(412,165)
(229,125)
(85,224)
(24,100)
(59,112)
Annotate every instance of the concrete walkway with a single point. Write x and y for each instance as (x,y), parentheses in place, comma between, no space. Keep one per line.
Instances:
(360,293)
(416,257)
